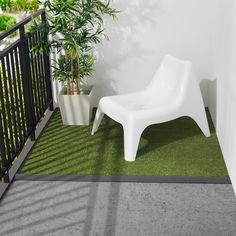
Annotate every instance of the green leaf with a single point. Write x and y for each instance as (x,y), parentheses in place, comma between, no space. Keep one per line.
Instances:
(75,26)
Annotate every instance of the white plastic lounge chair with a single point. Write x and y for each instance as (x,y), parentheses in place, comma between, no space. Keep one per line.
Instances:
(173,92)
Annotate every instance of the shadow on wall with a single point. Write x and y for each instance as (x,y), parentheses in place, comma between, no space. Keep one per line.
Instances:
(128,50)
(213,100)
(205,86)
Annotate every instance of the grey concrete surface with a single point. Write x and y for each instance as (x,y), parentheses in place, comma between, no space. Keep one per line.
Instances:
(74,208)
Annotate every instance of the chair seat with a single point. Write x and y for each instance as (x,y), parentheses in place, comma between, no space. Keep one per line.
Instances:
(137,106)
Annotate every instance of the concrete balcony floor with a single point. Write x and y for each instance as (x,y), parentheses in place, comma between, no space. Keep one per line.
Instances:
(76,208)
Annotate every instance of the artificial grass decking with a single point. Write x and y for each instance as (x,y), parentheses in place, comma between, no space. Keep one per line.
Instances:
(175,148)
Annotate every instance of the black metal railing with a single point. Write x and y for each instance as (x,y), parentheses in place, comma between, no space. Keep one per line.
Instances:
(25,91)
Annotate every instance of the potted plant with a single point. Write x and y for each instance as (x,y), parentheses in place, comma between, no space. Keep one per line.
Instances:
(75,27)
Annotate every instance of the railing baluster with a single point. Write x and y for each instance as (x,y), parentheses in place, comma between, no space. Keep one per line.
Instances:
(42,75)
(27,83)
(13,68)
(38,84)
(9,119)
(34,84)
(22,113)
(12,102)
(4,164)
(46,59)
(5,130)
(2,135)
(39,73)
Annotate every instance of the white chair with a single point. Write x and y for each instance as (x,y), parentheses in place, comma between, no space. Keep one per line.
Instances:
(173,92)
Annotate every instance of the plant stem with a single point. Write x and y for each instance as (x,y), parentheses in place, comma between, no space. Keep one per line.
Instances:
(78,75)
(68,78)
(78,86)
(73,85)
(72,77)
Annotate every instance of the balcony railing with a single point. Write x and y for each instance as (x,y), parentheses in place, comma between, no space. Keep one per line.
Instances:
(25,91)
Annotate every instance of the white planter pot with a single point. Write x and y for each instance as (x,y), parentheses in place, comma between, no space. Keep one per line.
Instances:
(75,109)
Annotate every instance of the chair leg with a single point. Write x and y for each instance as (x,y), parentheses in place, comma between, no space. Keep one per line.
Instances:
(97,120)
(131,142)
(201,120)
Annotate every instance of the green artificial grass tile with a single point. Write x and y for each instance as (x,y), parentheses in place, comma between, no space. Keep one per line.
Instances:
(175,148)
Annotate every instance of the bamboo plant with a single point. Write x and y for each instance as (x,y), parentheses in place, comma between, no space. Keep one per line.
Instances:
(75,27)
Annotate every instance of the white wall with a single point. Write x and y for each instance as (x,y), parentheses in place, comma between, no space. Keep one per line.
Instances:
(145,31)
(223,89)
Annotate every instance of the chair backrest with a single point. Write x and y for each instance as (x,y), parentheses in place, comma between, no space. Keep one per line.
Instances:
(171,77)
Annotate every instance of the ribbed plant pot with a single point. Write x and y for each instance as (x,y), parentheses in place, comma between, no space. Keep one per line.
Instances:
(75,109)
